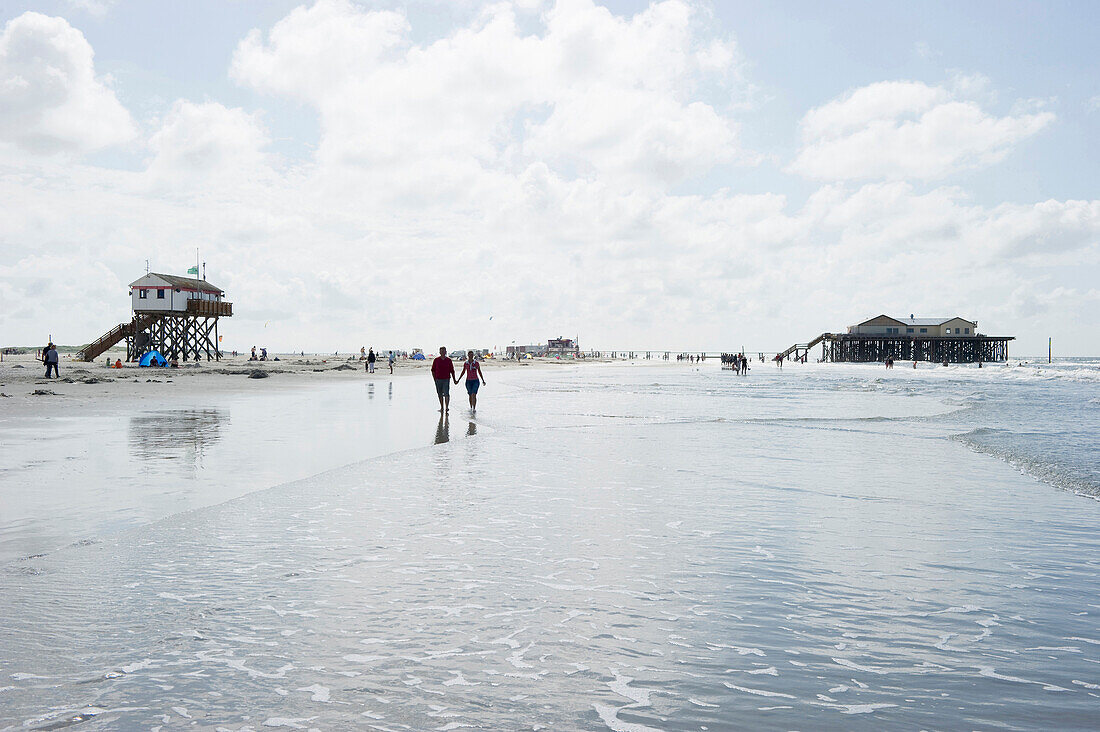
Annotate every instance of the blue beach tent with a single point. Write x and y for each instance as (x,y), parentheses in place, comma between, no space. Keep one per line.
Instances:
(153,358)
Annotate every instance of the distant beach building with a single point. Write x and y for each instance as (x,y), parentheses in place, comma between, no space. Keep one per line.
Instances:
(954,340)
(534,350)
(561,346)
(885,325)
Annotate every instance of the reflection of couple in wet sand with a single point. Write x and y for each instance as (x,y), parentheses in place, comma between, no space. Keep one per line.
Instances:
(443,429)
(443,373)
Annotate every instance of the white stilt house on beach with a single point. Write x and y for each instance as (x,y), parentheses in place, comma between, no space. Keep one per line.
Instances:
(177,316)
(161,293)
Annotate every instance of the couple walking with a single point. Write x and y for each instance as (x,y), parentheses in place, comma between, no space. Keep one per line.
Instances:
(443,372)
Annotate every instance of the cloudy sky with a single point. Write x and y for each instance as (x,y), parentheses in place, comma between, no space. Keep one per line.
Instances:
(644,175)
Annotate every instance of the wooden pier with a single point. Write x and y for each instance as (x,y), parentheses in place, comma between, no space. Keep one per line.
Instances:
(856,348)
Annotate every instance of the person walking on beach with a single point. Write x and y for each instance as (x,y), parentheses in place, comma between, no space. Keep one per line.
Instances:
(51,361)
(370,360)
(392,359)
(443,371)
(472,370)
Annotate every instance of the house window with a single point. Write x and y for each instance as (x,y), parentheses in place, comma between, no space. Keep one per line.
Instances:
(923,330)
(966,330)
(908,330)
(160,294)
(947,331)
(143,294)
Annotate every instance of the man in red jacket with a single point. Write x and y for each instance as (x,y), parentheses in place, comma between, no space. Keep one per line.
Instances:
(443,371)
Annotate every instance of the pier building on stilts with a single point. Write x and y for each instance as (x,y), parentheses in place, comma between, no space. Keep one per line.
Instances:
(177,316)
(939,340)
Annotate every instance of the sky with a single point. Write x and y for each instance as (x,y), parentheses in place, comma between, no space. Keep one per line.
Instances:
(640,175)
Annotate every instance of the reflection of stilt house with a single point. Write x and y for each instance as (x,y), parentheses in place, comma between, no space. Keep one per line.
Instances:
(955,340)
(177,316)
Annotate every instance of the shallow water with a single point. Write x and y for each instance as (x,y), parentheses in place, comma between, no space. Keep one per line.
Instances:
(615,548)
(75,475)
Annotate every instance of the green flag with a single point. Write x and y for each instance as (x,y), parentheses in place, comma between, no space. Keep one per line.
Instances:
(193,270)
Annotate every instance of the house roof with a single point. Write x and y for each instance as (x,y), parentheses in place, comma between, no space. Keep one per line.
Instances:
(931,321)
(187,283)
(917,321)
(924,321)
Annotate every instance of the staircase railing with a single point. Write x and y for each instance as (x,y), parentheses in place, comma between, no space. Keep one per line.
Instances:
(797,347)
(94,349)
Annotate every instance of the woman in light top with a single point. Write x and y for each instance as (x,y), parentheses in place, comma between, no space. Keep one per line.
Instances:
(471,369)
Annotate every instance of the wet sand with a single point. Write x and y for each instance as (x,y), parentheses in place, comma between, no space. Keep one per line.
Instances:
(102,450)
(609,548)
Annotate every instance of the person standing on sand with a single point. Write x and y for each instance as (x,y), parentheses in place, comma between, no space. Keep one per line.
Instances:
(51,361)
(472,370)
(392,359)
(443,371)
(370,360)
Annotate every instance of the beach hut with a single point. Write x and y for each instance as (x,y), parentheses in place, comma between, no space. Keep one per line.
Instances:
(175,315)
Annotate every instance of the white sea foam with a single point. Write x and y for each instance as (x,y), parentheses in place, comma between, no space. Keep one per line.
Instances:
(698,703)
(610,716)
(990,672)
(769,671)
(292,723)
(317,692)
(757,692)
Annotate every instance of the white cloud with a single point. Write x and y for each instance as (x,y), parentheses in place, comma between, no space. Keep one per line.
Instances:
(906,130)
(206,141)
(520,166)
(592,94)
(94,7)
(623,268)
(50,98)
(924,50)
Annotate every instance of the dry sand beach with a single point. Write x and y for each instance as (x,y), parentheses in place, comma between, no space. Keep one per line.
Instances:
(21,375)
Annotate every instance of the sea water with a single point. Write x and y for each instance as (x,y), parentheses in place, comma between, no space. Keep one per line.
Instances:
(611,547)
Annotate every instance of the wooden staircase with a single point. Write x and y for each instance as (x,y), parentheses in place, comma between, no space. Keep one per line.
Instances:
(800,350)
(92,351)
